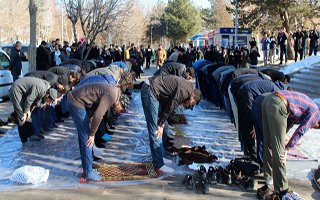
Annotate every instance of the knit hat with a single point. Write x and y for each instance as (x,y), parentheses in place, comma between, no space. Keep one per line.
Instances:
(68,49)
(53,94)
(124,101)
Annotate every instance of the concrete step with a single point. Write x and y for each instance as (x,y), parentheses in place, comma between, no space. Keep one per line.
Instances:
(305,82)
(310,72)
(310,91)
(307,77)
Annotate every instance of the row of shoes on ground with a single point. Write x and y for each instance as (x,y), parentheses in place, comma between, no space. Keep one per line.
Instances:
(203,178)
(267,192)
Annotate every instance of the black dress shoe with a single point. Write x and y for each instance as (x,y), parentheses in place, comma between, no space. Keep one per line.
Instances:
(202,186)
(226,177)
(212,176)
(188,182)
(96,159)
(59,120)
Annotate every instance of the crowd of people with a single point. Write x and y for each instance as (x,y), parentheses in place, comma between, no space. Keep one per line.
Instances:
(263,109)
(94,92)
(305,43)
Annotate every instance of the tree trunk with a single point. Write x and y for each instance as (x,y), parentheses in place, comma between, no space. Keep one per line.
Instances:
(286,24)
(75,34)
(33,35)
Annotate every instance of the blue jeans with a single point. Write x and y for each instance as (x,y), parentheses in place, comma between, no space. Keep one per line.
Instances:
(36,121)
(63,104)
(151,109)
(82,123)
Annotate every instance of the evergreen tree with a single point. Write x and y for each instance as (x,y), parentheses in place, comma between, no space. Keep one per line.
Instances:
(183,20)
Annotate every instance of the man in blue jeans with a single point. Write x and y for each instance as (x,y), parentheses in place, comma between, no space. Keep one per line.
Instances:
(160,95)
(94,98)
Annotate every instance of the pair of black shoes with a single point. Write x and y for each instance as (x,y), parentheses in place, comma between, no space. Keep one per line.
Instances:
(198,182)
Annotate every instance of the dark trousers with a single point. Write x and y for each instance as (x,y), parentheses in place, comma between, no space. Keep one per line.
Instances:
(246,124)
(283,51)
(300,52)
(15,77)
(313,49)
(148,61)
(25,131)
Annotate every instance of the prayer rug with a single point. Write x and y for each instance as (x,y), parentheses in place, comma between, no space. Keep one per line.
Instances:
(296,154)
(177,119)
(127,171)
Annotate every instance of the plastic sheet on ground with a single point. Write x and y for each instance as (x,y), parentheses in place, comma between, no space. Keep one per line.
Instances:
(59,151)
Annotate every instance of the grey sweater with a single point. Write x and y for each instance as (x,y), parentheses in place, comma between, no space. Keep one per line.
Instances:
(27,91)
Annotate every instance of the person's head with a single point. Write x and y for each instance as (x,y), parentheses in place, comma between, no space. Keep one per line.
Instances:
(68,50)
(74,77)
(314,27)
(189,73)
(126,81)
(194,99)
(121,104)
(43,43)
(317,124)
(299,29)
(287,79)
(52,95)
(56,47)
(265,35)
(58,41)
(18,45)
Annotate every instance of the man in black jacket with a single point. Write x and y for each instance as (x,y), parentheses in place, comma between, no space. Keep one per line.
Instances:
(149,53)
(15,61)
(43,57)
(161,95)
(282,42)
(177,69)
(298,44)
(314,36)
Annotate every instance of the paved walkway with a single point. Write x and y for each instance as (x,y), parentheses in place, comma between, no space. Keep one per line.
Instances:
(59,152)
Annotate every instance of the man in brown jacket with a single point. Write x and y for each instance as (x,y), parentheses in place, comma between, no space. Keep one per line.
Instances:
(94,98)
(161,56)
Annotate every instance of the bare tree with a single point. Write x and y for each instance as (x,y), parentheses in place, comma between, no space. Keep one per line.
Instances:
(33,35)
(72,9)
(97,16)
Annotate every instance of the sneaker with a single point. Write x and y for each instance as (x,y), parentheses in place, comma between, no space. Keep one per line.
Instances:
(59,120)
(93,176)
(226,177)
(202,186)
(107,137)
(188,182)
(35,138)
(96,158)
(212,176)
(166,169)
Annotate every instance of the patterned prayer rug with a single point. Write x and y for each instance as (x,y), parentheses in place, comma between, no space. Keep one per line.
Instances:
(127,171)
(296,154)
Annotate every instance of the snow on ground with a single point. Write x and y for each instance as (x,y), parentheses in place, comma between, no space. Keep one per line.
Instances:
(296,66)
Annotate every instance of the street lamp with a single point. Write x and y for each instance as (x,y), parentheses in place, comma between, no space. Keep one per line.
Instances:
(151,27)
(236,26)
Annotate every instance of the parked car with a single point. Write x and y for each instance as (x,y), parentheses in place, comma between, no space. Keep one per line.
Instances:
(25,49)
(6,79)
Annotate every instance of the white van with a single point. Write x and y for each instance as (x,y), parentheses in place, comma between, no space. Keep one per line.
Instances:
(25,49)
(6,79)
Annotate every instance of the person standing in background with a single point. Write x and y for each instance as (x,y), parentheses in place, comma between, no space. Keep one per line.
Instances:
(15,61)
(314,36)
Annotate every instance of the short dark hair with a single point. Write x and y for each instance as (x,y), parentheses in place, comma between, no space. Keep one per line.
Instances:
(44,43)
(190,70)
(18,43)
(287,77)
